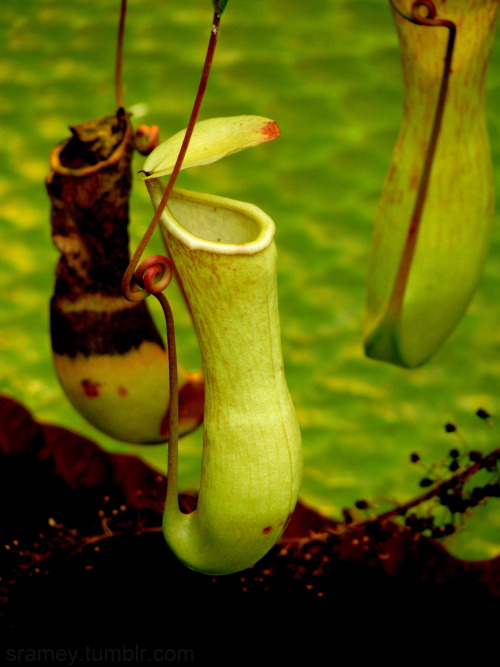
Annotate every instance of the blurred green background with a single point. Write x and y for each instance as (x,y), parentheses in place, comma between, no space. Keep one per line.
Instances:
(329,73)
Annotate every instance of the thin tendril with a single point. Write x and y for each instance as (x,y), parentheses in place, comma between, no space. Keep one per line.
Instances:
(153,276)
(430,20)
(130,291)
(171,501)
(119,57)
(155,273)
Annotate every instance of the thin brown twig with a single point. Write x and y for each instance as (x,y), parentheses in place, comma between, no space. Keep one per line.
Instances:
(455,481)
(119,57)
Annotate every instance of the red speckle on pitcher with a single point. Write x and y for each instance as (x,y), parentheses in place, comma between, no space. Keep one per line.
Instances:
(90,389)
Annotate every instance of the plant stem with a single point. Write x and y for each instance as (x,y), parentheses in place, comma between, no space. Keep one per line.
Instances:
(119,57)
(137,294)
(400,510)
(172,502)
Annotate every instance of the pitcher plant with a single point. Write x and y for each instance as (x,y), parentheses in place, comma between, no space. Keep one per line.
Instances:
(435,215)
(223,254)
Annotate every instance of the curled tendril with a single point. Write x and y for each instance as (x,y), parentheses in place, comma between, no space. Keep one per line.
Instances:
(430,18)
(417,15)
(146,138)
(154,274)
(423,4)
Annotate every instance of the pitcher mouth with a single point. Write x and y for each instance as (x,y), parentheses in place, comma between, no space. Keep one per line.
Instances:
(216,224)
(57,159)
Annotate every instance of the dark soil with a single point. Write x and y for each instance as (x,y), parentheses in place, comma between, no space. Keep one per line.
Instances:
(84,563)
